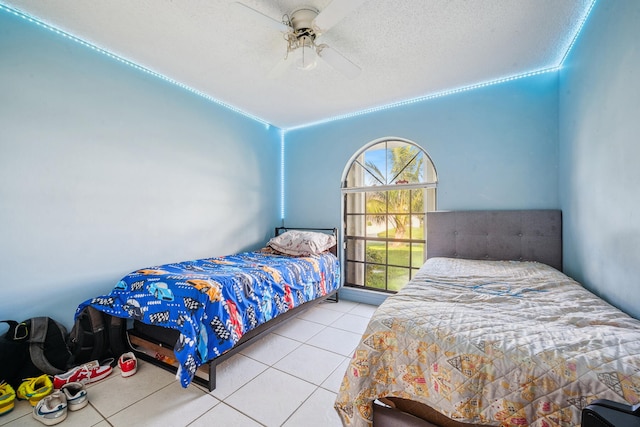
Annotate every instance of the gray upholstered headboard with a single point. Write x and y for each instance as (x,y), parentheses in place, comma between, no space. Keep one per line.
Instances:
(526,235)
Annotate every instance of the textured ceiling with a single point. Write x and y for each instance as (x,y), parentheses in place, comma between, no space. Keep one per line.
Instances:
(407,49)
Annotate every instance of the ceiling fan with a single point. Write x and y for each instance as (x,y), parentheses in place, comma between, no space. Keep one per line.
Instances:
(301,27)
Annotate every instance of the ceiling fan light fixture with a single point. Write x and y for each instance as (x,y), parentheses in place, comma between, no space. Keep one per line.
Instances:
(304,55)
(301,27)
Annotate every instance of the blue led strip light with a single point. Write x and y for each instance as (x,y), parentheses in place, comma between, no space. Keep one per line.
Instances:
(129,63)
(428,97)
(577,33)
(282,133)
(330,119)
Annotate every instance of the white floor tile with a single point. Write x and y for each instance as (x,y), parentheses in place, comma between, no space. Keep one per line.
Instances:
(317,411)
(299,329)
(364,310)
(115,393)
(21,409)
(342,306)
(224,415)
(86,416)
(352,323)
(336,340)
(310,363)
(235,372)
(271,348)
(271,397)
(310,350)
(333,382)
(321,315)
(22,417)
(169,406)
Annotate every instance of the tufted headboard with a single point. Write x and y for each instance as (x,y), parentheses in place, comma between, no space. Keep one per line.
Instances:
(525,235)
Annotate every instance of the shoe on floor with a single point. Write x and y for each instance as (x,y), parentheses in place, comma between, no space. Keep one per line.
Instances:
(76,395)
(7,398)
(34,389)
(128,364)
(85,374)
(52,409)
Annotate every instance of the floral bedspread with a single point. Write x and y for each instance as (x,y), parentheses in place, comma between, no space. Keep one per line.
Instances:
(213,302)
(494,343)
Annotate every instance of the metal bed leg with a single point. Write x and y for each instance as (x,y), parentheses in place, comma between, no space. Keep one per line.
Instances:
(212,376)
(334,298)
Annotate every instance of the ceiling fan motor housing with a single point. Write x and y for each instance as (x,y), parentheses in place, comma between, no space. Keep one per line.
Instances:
(302,22)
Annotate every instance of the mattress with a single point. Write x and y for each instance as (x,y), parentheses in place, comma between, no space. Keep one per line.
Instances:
(500,343)
(213,302)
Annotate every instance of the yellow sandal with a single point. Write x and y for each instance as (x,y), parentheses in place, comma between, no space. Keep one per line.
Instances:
(34,389)
(7,398)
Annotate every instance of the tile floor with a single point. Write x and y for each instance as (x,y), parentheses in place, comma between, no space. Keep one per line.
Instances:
(289,378)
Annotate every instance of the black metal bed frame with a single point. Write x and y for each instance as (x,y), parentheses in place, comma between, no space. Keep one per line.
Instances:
(166,338)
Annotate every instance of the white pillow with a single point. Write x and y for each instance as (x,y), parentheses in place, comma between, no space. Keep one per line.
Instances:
(302,243)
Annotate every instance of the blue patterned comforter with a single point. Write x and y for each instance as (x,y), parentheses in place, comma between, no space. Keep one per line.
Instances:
(213,302)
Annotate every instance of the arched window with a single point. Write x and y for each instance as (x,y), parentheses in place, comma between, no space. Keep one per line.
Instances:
(387,188)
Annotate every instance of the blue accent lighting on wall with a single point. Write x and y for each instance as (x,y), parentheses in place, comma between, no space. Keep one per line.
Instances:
(130,63)
(577,32)
(553,68)
(427,97)
(282,133)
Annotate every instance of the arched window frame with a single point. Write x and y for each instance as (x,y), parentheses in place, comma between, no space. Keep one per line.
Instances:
(360,269)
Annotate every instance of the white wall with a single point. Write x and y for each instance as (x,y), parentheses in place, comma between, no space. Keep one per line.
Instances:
(600,154)
(493,148)
(105,169)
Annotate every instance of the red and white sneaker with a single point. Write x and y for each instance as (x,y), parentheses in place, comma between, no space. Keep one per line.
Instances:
(128,364)
(85,374)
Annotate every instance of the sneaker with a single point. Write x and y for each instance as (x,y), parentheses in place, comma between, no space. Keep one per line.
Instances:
(7,398)
(76,395)
(85,374)
(34,389)
(128,364)
(52,409)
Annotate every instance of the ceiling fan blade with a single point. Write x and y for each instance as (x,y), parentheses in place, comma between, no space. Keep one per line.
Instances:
(280,68)
(333,13)
(338,61)
(264,19)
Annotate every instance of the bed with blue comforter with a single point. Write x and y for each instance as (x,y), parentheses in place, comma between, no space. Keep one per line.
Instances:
(213,302)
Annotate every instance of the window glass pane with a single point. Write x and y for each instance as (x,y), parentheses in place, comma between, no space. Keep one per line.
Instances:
(406,164)
(399,201)
(430,196)
(355,203)
(375,276)
(355,273)
(355,225)
(376,163)
(417,255)
(376,252)
(417,200)
(399,254)
(376,202)
(355,250)
(399,226)
(376,226)
(355,176)
(417,227)
(397,278)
